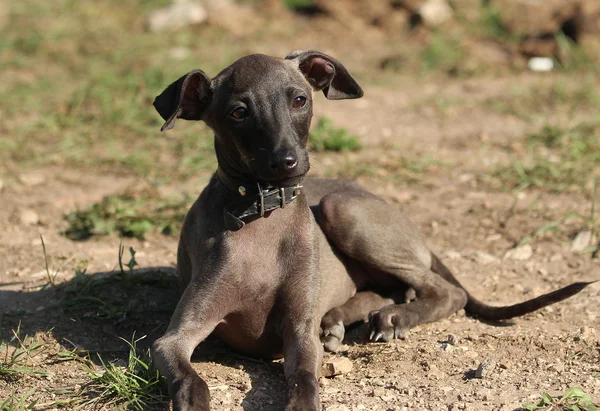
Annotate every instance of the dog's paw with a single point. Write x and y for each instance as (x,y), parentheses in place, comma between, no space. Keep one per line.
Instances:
(389,323)
(303,407)
(332,332)
(303,393)
(332,336)
(190,394)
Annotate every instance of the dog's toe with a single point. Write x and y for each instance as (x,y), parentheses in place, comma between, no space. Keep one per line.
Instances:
(386,325)
(337,330)
(331,344)
(332,336)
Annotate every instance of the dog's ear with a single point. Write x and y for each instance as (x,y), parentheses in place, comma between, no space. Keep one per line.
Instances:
(187,98)
(326,73)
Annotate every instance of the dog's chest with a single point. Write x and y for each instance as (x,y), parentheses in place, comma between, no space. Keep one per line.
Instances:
(260,253)
(261,260)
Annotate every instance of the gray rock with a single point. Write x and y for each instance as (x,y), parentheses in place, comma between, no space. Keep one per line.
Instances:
(485,368)
(176,16)
(435,12)
(521,253)
(336,366)
(582,240)
(451,255)
(377,382)
(485,258)
(447,347)
(27,216)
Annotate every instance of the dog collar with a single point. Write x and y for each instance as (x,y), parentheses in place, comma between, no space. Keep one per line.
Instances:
(253,199)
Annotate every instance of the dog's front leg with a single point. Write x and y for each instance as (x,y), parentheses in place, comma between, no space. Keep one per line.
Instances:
(302,353)
(194,319)
(302,349)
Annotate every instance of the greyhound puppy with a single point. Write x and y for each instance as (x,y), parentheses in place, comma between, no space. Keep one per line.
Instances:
(271,261)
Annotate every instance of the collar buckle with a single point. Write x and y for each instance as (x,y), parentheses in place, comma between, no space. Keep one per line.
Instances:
(282,197)
(296,191)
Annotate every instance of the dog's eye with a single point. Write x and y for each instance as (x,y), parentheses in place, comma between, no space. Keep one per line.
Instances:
(239,113)
(299,101)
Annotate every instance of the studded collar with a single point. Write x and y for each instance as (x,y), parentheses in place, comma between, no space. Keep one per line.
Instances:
(253,199)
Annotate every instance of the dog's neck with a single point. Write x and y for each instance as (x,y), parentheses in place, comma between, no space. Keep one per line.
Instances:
(251,198)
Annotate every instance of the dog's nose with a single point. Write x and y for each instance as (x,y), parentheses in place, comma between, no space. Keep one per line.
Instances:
(284,161)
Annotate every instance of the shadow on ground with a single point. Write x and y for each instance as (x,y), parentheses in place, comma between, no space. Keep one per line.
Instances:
(94,313)
(91,311)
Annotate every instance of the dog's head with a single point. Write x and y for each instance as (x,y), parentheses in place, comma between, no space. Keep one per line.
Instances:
(260,109)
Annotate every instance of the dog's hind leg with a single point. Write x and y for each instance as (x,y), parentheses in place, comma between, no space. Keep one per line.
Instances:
(368,230)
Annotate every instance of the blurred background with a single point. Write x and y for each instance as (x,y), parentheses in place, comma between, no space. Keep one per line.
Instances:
(480,119)
(78,78)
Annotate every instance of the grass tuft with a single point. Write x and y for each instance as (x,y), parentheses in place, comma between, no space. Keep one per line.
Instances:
(137,385)
(132,261)
(299,4)
(573,57)
(574,399)
(557,159)
(17,356)
(16,402)
(443,53)
(128,216)
(586,222)
(97,71)
(492,24)
(327,137)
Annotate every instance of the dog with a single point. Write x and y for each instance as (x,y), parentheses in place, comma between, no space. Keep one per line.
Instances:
(277,264)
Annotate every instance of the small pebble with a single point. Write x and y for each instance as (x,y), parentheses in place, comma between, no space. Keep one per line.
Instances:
(377,382)
(378,392)
(520,253)
(176,16)
(485,368)
(447,347)
(581,240)
(32,179)
(485,258)
(451,255)
(556,257)
(336,366)
(28,217)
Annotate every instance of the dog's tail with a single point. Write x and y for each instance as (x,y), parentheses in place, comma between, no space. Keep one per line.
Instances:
(491,313)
